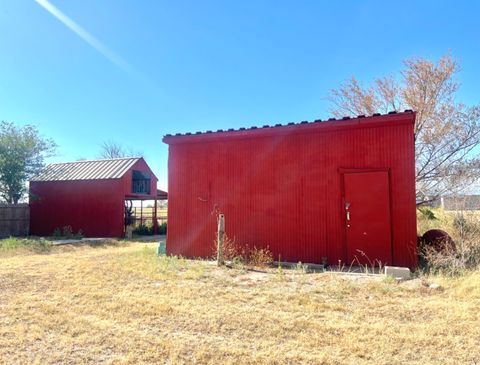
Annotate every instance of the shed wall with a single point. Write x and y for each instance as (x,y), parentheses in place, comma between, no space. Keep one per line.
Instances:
(94,206)
(284,190)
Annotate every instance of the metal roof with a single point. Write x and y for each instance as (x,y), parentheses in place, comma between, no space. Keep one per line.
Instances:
(168,138)
(87,170)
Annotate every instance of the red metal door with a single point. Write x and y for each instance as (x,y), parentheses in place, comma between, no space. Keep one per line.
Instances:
(367,218)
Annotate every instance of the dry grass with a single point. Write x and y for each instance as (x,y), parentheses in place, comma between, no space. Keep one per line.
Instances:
(442,220)
(123,305)
(241,254)
(464,228)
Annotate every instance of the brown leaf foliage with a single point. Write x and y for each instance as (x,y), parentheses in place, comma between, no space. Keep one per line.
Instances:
(446,131)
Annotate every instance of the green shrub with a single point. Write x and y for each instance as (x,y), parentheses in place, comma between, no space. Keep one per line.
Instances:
(66,233)
(147,229)
(57,233)
(143,230)
(162,228)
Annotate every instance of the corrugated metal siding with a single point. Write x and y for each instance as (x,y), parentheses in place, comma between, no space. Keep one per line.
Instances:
(284,190)
(87,170)
(96,207)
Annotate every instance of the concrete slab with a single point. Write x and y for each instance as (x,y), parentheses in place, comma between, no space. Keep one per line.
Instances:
(79,240)
(402,273)
(366,270)
(294,265)
(154,238)
(354,270)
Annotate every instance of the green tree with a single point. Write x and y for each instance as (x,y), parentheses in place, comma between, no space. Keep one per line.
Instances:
(22,154)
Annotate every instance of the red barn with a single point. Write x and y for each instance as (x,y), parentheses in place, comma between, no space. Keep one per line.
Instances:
(88,195)
(336,190)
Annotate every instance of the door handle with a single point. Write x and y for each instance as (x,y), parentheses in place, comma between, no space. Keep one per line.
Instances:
(348,215)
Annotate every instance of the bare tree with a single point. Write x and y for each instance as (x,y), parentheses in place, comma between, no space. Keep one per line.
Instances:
(110,149)
(446,132)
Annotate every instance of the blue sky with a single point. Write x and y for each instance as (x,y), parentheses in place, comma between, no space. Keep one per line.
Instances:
(181,66)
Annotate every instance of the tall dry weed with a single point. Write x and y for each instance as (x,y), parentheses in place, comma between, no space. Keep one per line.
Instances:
(244,254)
(464,255)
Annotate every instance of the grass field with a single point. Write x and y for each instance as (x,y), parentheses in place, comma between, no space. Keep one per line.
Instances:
(121,304)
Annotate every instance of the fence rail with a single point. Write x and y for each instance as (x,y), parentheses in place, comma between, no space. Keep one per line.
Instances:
(14,220)
(144,216)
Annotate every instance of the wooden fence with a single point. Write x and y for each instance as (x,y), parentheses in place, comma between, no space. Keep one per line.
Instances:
(14,220)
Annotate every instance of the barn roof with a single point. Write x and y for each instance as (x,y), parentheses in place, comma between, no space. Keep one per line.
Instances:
(87,170)
(330,123)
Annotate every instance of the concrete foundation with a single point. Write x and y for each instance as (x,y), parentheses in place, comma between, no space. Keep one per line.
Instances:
(398,272)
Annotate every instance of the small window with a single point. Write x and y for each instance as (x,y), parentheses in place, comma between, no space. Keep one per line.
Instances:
(140,182)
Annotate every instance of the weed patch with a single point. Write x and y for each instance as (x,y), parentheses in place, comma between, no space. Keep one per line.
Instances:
(460,257)
(243,254)
(15,244)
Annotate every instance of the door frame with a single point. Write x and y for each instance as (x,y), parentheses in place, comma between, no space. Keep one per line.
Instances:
(347,170)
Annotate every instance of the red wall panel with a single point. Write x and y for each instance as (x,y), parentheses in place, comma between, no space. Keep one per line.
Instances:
(94,206)
(281,187)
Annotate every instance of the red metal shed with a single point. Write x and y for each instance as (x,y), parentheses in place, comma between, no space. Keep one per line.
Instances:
(338,189)
(88,195)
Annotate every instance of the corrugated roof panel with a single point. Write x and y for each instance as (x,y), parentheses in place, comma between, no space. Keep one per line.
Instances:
(94,171)
(117,169)
(77,171)
(87,170)
(82,169)
(68,170)
(169,138)
(108,171)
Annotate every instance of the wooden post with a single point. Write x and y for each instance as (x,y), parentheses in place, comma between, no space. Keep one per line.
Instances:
(220,239)
(129,232)
(155,220)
